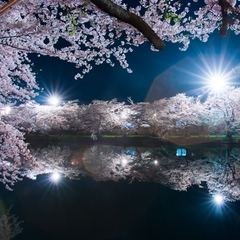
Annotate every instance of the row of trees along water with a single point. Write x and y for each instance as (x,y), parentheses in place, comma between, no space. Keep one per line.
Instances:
(179,115)
(218,114)
(88,33)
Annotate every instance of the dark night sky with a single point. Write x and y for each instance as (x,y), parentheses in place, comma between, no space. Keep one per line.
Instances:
(119,211)
(168,72)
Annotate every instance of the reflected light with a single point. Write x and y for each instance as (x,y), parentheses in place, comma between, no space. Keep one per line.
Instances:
(218,199)
(124,161)
(8,109)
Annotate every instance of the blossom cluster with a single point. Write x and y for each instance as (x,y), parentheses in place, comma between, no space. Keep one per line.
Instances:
(80,33)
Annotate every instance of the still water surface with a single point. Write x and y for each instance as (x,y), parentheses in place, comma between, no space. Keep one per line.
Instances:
(123,192)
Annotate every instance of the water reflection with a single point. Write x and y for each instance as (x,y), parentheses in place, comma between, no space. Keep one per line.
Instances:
(218,169)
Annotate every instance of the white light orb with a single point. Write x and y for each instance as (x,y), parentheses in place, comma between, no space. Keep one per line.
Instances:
(55,177)
(124,162)
(6,110)
(218,199)
(54,100)
(218,83)
(124,115)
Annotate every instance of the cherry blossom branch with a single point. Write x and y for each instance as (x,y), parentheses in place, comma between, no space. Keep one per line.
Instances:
(18,48)
(8,5)
(136,21)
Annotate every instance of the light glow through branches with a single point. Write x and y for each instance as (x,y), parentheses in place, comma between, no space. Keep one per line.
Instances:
(55,177)
(6,110)
(218,82)
(54,100)
(218,199)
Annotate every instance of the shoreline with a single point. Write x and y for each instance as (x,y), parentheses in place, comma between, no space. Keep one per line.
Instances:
(144,140)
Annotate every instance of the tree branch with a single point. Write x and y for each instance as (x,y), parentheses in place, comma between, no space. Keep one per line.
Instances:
(224,8)
(136,21)
(8,5)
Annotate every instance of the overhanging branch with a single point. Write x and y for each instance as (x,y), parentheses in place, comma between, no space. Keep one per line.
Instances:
(136,21)
(8,5)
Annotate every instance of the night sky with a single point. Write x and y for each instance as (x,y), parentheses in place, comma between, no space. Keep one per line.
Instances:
(155,74)
(92,210)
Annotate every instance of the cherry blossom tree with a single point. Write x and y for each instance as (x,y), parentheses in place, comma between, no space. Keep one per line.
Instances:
(180,114)
(223,112)
(167,116)
(9,226)
(14,154)
(85,32)
(96,118)
(92,32)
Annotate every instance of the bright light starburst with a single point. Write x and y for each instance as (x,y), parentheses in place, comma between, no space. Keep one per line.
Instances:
(55,177)
(218,199)
(212,73)
(218,82)
(54,100)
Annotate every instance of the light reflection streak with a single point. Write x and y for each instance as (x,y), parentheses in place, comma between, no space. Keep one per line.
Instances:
(160,165)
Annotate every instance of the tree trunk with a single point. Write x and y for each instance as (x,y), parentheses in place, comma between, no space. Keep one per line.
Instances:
(230,136)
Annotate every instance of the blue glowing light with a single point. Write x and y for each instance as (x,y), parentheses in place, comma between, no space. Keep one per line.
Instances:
(129,125)
(130,152)
(181,152)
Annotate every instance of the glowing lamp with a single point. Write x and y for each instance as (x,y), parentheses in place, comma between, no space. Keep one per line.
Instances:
(217,82)
(55,177)
(218,199)
(124,161)
(54,100)
(6,110)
